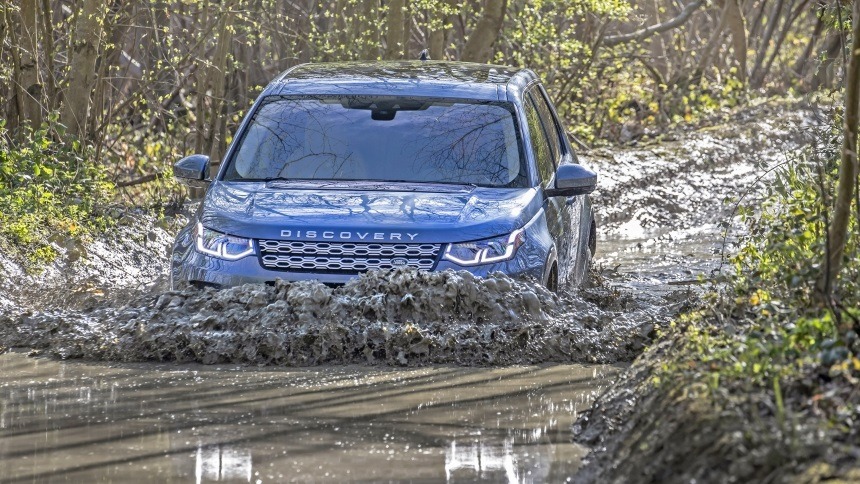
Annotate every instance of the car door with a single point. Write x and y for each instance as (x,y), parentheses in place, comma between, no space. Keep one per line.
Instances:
(546,157)
(570,208)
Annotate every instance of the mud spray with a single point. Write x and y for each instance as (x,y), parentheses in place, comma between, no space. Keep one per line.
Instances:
(397,318)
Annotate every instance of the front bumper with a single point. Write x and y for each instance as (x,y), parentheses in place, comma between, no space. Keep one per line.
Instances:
(190,266)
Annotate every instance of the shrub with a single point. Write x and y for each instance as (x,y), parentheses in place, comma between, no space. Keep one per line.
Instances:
(51,194)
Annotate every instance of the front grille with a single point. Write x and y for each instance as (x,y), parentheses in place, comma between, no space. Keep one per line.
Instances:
(345,257)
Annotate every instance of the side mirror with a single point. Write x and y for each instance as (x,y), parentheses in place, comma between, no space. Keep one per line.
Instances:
(192,170)
(571,180)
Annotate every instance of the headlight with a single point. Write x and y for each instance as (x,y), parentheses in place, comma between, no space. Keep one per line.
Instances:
(221,245)
(487,251)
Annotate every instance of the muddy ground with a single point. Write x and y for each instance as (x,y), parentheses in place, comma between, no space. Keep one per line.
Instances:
(663,208)
(647,430)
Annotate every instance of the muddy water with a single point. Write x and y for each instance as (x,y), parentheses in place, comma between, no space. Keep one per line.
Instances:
(87,422)
(666,208)
(397,318)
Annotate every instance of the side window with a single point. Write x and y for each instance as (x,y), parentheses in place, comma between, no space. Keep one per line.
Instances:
(540,145)
(549,124)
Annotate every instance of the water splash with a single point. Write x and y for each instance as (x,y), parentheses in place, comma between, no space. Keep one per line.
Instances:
(397,317)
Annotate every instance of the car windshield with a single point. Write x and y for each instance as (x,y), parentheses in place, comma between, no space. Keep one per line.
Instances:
(393,139)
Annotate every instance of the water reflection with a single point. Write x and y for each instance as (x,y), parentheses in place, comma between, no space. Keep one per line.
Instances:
(86,422)
(478,459)
(526,456)
(222,463)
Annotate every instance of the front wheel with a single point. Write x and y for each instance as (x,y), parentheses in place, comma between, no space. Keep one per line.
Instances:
(592,239)
(551,281)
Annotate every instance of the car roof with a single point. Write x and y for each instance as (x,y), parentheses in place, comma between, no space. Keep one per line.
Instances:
(458,80)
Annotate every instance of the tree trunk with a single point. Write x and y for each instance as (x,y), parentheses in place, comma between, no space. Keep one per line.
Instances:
(366,31)
(786,26)
(16,109)
(201,85)
(219,78)
(82,64)
(829,53)
(657,46)
(802,63)
(48,46)
(6,106)
(848,170)
(438,39)
(755,25)
(29,75)
(772,22)
(711,46)
(734,21)
(479,47)
(394,33)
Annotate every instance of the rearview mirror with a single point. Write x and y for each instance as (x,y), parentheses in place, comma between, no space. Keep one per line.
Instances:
(192,170)
(571,180)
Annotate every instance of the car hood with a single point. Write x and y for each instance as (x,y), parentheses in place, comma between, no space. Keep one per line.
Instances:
(381,213)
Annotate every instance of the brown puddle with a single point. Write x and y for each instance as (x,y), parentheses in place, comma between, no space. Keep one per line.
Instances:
(86,422)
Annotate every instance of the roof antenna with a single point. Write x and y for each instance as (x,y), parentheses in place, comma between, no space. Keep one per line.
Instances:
(424,55)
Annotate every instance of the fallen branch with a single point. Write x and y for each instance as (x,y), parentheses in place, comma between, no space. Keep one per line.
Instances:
(140,181)
(688,282)
(643,34)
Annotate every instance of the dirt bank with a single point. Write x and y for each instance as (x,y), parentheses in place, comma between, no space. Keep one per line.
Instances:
(666,421)
(129,258)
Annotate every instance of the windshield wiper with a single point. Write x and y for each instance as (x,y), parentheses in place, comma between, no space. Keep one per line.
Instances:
(406,185)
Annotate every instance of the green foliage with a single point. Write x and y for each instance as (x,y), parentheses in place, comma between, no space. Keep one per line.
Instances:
(354,29)
(148,152)
(50,193)
(786,246)
(772,325)
(555,39)
(600,89)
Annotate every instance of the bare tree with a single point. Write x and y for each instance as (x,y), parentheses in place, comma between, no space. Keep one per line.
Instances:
(786,27)
(479,47)
(849,169)
(31,88)
(438,37)
(48,47)
(733,18)
(646,32)
(16,108)
(82,65)
(800,67)
(218,76)
(396,31)
(764,46)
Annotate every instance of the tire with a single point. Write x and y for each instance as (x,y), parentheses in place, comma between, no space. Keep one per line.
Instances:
(551,282)
(592,239)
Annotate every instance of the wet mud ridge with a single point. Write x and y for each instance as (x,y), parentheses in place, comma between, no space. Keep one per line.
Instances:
(129,259)
(395,318)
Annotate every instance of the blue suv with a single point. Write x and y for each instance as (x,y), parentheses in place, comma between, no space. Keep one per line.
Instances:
(343,168)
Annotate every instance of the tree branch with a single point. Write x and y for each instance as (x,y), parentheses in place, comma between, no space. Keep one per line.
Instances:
(643,34)
(140,181)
